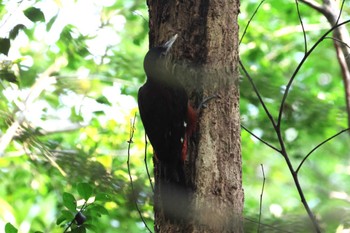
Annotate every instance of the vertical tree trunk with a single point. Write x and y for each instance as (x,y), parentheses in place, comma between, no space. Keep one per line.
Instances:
(207,49)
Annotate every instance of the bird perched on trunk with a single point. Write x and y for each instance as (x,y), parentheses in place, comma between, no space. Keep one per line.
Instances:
(168,120)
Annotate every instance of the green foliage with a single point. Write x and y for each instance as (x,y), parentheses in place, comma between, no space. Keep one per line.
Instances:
(72,91)
(69,201)
(9,228)
(34,14)
(84,190)
(72,140)
(4,46)
(73,220)
(16,29)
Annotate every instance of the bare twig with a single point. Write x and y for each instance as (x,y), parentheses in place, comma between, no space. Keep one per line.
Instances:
(258,94)
(318,146)
(297,183)
(286,92)
(261,196)
(139,14)
(330,10)
(340,12)
(146,164)
(260,139)
(302,26)
(283,150)
(337,40)
(314,4)
(250,20)
(130,141)
(268,226)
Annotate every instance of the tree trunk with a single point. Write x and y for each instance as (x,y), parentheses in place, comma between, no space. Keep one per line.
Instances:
(207,51)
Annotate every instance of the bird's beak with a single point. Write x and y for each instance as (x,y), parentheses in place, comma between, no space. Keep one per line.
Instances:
(167,45)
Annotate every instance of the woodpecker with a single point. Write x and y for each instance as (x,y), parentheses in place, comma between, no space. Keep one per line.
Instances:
(168,119)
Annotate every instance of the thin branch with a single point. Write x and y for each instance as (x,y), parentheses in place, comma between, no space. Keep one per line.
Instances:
(267,226)
(130,141)
(261,196)
(286,92)
(340,12)
(337,40)
(318,146)
(315,5)
(302,26)
(330,11)
(297,183)
(250,20)
(146,164)
(139,14)
(261,140)
(258,94)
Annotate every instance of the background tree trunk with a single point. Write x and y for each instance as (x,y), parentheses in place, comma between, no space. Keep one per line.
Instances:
(207,49)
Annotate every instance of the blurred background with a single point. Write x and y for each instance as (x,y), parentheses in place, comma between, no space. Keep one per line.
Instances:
(68,88)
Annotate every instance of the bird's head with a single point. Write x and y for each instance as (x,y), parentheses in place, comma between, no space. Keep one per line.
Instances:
(154,63)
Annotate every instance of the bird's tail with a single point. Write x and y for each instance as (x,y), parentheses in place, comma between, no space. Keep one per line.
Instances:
(173,193)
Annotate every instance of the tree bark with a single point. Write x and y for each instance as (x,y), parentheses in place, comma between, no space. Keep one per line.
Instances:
(206,55)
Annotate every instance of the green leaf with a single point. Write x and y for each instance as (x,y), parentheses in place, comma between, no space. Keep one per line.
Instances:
(50,23)
(85,190)
(34,14)
(91,227)
(75,117)
(102,197)
(103,100)
(67,214)
(8,75)
(98,209)
(9,228)
(15,30)
(69,201)
(60,220)
(80,229)
(4,46)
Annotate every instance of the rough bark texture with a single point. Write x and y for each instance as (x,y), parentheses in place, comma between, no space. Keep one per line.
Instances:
(206,54)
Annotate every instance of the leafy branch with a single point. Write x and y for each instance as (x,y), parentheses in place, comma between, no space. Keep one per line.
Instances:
(79,221)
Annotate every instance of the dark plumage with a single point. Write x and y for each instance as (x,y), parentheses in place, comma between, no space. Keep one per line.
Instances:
(163,105)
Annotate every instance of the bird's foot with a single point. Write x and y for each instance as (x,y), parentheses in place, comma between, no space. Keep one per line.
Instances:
(203,104)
